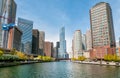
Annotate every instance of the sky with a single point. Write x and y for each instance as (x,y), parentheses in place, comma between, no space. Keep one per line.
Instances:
(51,15)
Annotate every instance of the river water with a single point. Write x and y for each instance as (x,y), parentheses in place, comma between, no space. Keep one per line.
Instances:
(60,70)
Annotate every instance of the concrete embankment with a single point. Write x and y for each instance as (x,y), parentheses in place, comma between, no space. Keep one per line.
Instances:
(99,63)
(8,64)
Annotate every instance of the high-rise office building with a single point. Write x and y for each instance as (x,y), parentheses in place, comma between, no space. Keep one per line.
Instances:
(26,26)
(2,10)
(84,45)
(62,49)
(41,42)
(14,38)
(88,40)
(77,44)
(35,41)
(102,29)
(8,15)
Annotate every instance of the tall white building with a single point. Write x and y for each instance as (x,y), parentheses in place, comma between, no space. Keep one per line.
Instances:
(77,44)
(88,40)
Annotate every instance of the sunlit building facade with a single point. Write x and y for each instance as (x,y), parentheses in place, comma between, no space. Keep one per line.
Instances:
(77,44)
(88,40)
(102,30)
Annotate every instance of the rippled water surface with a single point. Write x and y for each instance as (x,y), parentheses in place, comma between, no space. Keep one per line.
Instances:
(60,70)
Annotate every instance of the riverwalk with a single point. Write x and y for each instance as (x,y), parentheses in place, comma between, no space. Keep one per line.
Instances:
(98,63)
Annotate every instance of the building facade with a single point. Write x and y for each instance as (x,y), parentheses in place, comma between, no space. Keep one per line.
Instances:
(77,44)
(8,15)
(26,26)
(102,30)
(2,10)
(41,42)
(57,48)
(62,49)
(88,40)
(14,38)
(48,49)
(35,41)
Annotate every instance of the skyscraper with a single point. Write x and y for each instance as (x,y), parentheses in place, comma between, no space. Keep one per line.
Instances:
(41,42)
(2,10)
(77,44)
(62,49)
(35,41)
(102,29)
(26,26)
(8,14)
(88,40)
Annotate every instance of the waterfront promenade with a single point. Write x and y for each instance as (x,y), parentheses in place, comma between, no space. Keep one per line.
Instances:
(98,63)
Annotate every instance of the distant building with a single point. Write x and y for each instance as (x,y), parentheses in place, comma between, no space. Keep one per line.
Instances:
(62,48)
(54,52)
(84,45)
(14,38)
(35,41)
(102,30)
(41,42)
(77,44)
(26,26)
(88,40)
(48,47)
(57,48)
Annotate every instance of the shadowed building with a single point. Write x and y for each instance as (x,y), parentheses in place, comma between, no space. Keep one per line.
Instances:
(84,45)
(35,41)
(14,38)
(41,42)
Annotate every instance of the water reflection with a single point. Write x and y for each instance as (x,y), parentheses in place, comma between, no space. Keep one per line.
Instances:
(60,70)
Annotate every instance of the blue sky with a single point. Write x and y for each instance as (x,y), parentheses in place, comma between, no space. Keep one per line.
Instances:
(51,15)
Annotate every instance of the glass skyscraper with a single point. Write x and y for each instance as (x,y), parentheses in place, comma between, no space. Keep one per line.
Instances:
(26,26)
(62,49)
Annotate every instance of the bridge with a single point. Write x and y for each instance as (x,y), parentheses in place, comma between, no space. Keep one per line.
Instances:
(62,59)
